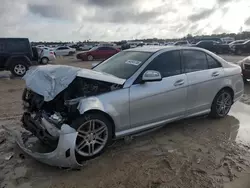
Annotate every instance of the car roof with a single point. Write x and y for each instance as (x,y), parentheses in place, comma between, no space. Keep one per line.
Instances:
(154,49)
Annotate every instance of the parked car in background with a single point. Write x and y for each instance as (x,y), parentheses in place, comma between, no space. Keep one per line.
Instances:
(213,46)
(241,48)
(40,46)
(169,43)
(16,55)
(85,47)
(45,55)
(133,91)
(97,53)
(182,43)
(48,48)
(237,42)
(245,66)
(64,50)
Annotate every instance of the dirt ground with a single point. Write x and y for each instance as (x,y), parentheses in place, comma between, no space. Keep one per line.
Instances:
(197,152)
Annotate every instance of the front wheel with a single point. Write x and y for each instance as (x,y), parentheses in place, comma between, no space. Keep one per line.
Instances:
(221,104)
(94,135)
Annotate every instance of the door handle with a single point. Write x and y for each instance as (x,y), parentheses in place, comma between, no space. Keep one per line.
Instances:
(214,74)
(179,83)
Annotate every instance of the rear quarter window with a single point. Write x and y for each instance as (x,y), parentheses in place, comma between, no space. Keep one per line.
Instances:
(17,46)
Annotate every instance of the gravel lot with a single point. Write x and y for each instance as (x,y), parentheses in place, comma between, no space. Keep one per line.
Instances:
(197,152)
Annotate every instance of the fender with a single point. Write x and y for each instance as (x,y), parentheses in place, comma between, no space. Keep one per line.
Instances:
(12,59)
(93,103)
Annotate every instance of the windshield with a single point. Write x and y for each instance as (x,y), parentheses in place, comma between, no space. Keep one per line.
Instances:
(124,64)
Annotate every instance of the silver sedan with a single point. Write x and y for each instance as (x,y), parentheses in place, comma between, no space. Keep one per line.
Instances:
(133,91)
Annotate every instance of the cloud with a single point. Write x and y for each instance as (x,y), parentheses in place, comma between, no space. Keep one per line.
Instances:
(247,22)
(127,16)
(108,3)
(219,30)
(201,15)
(222,2)
(74,20)
(55,10)
(47,11)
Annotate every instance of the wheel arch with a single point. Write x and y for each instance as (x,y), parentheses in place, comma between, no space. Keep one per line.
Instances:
(228,88)
(13,58)
(106,115)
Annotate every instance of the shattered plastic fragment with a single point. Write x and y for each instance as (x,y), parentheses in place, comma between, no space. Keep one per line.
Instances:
(62,156)
(9,156)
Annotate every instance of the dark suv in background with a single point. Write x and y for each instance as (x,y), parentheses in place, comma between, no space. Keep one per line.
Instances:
(16,55)
(241,48)
(213,46)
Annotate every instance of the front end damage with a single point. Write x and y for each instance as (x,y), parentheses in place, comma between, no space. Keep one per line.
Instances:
(62,156)
(51,102)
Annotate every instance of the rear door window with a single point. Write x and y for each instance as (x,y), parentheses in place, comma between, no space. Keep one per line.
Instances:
(194,60)
(17,46)
(212,63)
(2,46)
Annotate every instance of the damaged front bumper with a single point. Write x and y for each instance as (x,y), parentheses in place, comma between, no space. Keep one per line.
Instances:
(63,156)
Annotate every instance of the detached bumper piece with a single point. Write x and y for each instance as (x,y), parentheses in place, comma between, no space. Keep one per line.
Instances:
(64,154)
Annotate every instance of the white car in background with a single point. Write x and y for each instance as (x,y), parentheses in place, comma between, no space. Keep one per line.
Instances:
(182,43)
(64,50)
(85,47)
(46,55)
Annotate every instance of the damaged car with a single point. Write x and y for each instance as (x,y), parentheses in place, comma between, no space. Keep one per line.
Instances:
(133,91)
(245,66)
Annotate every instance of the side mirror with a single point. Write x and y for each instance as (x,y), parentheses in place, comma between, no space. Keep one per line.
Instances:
(151,76)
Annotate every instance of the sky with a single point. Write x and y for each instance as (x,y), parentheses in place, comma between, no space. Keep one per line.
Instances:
(113,20)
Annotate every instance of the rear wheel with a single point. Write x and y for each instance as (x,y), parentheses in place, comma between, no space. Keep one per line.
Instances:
(44,60)
(94,135)
(90,57)
(19,69)
(222,104)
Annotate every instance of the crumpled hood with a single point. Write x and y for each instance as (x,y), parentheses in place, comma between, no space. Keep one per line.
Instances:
(50,80)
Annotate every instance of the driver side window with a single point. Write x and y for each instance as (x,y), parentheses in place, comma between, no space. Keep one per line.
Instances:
(168,64)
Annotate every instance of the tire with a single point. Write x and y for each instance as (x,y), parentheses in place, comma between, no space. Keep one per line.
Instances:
(87,138)
(90,57)
(44,60)
(220,107)
(19,68)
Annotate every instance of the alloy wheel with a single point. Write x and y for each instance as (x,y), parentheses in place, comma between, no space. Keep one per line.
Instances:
(92,137)
(223,104)
(19,69)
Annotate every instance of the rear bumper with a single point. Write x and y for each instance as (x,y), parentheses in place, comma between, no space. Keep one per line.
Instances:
(52,57)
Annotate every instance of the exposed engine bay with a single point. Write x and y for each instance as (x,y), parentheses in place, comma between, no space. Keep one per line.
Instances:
(44,118)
